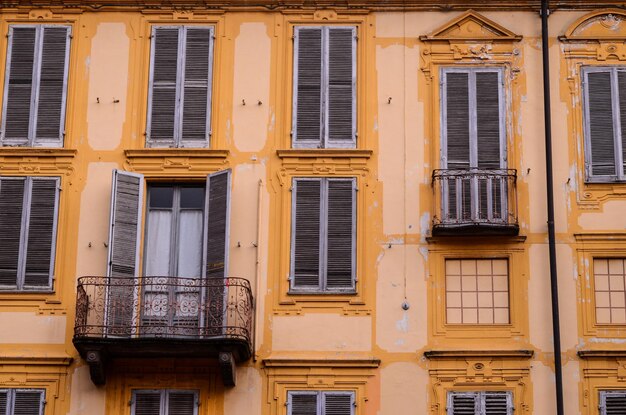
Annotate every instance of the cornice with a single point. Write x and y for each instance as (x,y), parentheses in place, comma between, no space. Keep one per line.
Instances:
(333,363)
(601,354)
(461,354)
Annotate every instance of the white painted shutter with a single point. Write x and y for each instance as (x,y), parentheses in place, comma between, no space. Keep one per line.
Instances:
(42,220)
(463,403)
(146,403)
(217,218)
(600,124)
(612,403)
(488,119)
(196,88)
(497,403)
(28,402)
(457,123)
(340,234)
(50,126)
(303,403)
(181,403)
(306,233)
(338,403)
(16,118)
(621,91)
(307,111)
(11,205)
(163,87)
(341,101)
(4,398)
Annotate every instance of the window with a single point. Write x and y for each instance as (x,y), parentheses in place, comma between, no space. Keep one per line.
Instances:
(610,292)
(480,403)
(323,235)
(324,92)
(35,86)
(179,103)
(164,402)
(605,112)
(320,403)
(22,401)
(612,402)
(28,221)
(477,291)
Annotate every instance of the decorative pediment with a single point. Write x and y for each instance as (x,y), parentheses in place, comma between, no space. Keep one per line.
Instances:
(605,25)
(469,27)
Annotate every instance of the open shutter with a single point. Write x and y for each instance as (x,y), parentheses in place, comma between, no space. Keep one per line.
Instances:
(53,71)
(338,403)
(340,234)
(302,403)
(307,99)
(306,234)
(181,403)
(612,403)
(463,404)
(11,205)
(146,403)
(600,124)
(488,119)
(497,403)
(196,87)
(217,214)
(163,87)
(28,402)
(42,220)
(126,201)
(341,101)
(18,85)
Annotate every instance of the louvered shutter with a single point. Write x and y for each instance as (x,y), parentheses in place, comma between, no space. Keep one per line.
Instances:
(307,99)
(52,85)
(600,124)
(340,235)
(497,403)
(621,91)
(147,403)
(11,205)
(488,119)
(303,403)
(126,202)
(181,403)
(41,233)
(612,403)
(463,404)
(19,85)
(306,217)
(217,213)
(341,101)
(338,403)
(163,87)
(28,402)
(4,398)
(197,84)
(457,124)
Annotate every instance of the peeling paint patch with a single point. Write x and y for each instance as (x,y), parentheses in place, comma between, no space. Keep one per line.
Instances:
(424,223)
(402,325)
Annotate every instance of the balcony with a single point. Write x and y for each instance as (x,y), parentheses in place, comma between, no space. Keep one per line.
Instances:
(471,202)
(156,317)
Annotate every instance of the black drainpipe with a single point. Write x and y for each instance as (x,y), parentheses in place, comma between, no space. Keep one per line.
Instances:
(556,329)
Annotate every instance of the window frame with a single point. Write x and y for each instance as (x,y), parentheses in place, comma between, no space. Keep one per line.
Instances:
(479,401)
(24,234)
(177,141)
(32,124)
(602,398)
(322,281)
(324,141)
(321,399)
(10,394)
(620,171)
(164,395)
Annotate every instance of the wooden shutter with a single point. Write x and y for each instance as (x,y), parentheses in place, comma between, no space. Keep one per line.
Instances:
(307,99)
(600,124)
(181,403)
(338,403)
(340,234)
(16,120)
(4,400)
(42,220)
(11,205)
(497,403)
(217,221)
(196,87)
(612,402)
(126,202)
(147,403)
(488,119)
(341,101)
(456,124)
(303,403)
(463,403)
(163,87)
(621,92)
(306,233)
(28,402)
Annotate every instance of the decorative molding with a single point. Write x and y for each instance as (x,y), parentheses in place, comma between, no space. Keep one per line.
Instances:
(600,237)
(603,25)
(184,162)
(471,26)
(476,239)
(330,363)
(324,153)
(35,360)
(36,161)
(601,354)
(479,354)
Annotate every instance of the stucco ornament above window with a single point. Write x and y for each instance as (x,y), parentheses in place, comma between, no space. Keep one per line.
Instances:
(600,36)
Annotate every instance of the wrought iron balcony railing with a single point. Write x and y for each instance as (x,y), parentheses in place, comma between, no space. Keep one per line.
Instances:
(163,316)
(475,201)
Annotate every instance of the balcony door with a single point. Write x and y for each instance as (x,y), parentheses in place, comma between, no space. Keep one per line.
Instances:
(473,147)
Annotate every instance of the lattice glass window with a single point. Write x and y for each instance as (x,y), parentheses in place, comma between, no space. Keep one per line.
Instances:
(477,291)
(610,291)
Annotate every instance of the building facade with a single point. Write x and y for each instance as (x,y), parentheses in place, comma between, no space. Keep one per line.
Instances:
(310,208)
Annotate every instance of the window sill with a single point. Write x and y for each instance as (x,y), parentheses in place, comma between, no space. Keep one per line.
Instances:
(324,153)
(173,162)
(322,293)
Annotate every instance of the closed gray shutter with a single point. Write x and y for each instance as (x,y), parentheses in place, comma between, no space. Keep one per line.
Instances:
(340,234)
(28,402)
(19,85)
(52,85)
(621,91)
(488,119)
(338,403)
(181,403)
(612,403)
(497,403)
(41,233)
(147,403)
(341,105)
(163,87)
(463,404)
(217,214)
(302,403)
(197,84)
(306,235)
(4,397)
(600,124)
(457,123)
(126,201)
(307,111)
(11,204)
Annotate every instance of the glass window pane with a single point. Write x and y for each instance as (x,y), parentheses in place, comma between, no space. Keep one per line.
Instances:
(190,244)
(158,243)
(192,197)
(161,197)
